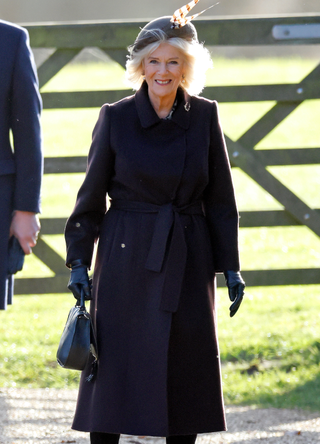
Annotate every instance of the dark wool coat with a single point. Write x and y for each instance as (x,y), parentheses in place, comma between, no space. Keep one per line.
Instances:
(20,106)
(172,225)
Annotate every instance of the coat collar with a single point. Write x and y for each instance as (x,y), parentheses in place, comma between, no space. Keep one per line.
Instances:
(149,117)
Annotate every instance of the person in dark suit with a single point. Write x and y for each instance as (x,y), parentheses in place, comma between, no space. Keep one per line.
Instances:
(20,164)
(172,225)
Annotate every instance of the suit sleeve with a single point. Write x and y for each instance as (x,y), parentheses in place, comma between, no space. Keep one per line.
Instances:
(82,228)
(219,201)
(25,124)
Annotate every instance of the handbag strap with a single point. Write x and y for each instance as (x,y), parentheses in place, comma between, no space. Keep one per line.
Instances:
(82,302)
(93,339)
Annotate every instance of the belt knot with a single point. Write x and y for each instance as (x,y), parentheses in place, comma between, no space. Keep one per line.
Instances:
(167,222)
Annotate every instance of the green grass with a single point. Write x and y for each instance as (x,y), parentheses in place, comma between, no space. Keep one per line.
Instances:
(30,331)
(271,349)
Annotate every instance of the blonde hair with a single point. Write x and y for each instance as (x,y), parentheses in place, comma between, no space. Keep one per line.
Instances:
(196,57)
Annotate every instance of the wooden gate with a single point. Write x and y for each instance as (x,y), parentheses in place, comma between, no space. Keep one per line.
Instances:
(113,38)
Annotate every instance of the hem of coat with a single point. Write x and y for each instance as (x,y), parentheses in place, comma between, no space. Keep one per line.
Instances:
(144,433)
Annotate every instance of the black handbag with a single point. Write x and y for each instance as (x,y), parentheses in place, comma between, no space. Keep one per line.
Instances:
(78,341)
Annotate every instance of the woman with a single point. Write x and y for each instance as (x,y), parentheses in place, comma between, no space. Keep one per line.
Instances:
(172,224)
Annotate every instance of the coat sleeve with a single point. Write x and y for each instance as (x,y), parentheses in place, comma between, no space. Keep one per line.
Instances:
(82,228)
(219,201)
(25,112)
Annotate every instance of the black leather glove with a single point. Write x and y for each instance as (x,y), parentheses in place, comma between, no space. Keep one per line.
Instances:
(236,286)
(79,280)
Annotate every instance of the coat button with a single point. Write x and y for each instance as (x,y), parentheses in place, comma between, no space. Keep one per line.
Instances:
(123,245)
(78,225)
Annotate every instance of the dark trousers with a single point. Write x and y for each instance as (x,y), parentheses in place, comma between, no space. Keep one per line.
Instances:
(110,438)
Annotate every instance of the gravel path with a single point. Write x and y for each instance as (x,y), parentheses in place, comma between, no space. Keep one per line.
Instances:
(29,416)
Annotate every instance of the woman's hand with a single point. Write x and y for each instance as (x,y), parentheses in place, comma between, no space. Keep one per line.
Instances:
(79,281)
(236,286)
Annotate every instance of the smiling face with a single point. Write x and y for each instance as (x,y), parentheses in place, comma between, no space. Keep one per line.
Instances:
(163,70)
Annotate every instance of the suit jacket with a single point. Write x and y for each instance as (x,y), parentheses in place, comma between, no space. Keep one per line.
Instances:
(20,164)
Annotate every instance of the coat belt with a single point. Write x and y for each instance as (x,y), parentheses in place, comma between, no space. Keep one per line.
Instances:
(168,221)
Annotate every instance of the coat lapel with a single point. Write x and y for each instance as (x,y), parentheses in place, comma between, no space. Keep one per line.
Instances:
(147,115)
